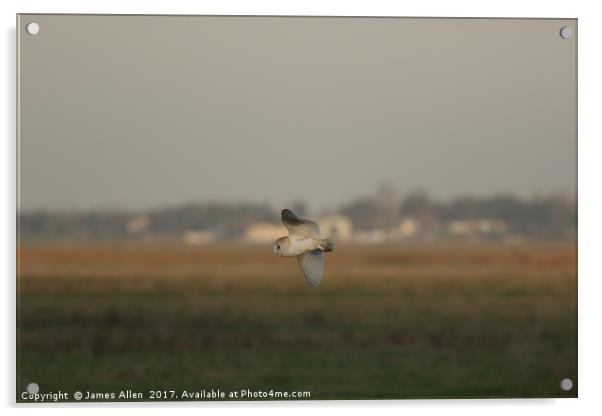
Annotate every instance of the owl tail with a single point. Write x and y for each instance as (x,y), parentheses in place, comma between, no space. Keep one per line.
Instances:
(326,245)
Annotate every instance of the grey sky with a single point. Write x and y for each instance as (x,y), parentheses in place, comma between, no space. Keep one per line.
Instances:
(140,112)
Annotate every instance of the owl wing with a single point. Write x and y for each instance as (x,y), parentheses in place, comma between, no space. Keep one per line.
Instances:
(312,266)
(299,228)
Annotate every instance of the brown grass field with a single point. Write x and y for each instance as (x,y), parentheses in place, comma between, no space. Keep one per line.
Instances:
(441,321)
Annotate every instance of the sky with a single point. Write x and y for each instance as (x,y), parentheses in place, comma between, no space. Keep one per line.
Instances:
(150,111)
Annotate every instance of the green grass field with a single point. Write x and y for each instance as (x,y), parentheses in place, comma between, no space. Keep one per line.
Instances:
(388,321)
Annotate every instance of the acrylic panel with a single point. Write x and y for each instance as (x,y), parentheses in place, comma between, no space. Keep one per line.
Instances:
(295,208)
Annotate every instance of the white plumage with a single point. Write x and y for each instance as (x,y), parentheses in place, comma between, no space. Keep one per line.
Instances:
(304,242)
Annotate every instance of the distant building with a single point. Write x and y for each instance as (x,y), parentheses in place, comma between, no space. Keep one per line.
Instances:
(195,237)
(408,227)
(370,237)
(138,224)
(336,227)
(476,227)
(264,233)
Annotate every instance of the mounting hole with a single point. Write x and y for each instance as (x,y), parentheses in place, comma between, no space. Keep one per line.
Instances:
(33,388)
(566,384)
(32,28)
(566,32)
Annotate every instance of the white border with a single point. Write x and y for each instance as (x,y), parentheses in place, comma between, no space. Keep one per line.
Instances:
(590,202)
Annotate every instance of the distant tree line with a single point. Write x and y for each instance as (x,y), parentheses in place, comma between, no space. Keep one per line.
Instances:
(227,220)
(73,224)
(552,217)
(543,217)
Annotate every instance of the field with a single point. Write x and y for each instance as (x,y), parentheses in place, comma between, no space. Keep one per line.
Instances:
(389,322)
